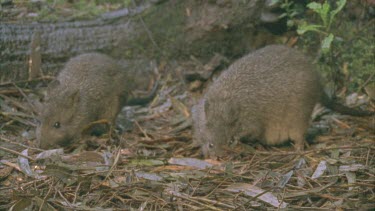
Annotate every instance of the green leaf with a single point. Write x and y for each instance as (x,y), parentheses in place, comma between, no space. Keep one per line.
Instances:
(324,14)
(273,2)
(326,43)
(293,14)
(340,5)
(305,27)
(283,15)
(316,7)
(322,10)
(290,23)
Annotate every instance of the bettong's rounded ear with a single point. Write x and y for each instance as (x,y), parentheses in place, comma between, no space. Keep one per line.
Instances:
(54,83)
(73,97)
(35,103)
(37,107)
(38,121)
(44,95)
(48,92)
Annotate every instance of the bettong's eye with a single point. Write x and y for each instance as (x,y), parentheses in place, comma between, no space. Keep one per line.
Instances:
(56,125)
(211,145)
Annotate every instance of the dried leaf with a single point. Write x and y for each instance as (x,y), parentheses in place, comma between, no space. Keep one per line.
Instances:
(24,165)
(351,168)
(192,162)
(89,158)
(351,177)
(149,176)
(301,163)
(49,153)
(301,176)
(254,191)
(285,179)
(146,162)
(319,171)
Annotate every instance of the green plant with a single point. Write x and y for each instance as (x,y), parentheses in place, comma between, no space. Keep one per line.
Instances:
(345,47)
(291,11)
(327,16)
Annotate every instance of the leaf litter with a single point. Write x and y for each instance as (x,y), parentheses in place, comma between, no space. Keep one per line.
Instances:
(155,165)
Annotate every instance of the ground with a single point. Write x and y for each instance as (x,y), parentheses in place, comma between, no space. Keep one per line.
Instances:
(152,163)
(155,165)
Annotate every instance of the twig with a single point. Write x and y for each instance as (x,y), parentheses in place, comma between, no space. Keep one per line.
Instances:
(17,153)
(368,156)
(311,191)
(196,200)
(18,144)
(282,199)
(76,192)
(66,200)
(143,131)
(114,164)
(341,123)
(27,99)
(27,81)
(254,198)
(19,114)
(45,198)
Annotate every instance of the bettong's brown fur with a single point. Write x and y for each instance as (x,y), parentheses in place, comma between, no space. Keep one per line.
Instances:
(90,87)
(267,95)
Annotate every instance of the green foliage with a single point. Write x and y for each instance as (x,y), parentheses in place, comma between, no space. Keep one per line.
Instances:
(291,11)
(326,43)
(321,9)
(324,10)
(359,57)
(352,63)
(327,16)
(346,48)
(305,27)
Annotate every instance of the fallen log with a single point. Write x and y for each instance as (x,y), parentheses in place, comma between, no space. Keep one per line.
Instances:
(169,29)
